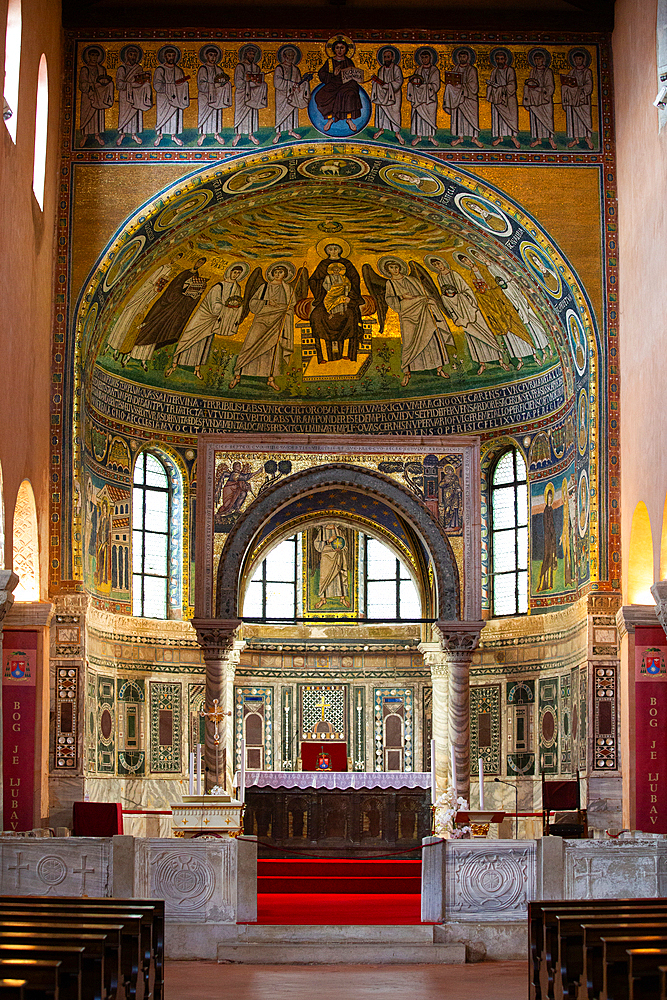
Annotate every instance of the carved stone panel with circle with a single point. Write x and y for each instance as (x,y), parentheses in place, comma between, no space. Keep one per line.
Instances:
(488,882)
(57,867)
(197,883)
(184,881)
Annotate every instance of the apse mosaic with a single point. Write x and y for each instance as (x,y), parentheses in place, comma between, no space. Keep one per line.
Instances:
(189,92)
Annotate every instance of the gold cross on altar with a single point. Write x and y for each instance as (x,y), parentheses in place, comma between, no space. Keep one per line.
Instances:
(322,704)
(216,715)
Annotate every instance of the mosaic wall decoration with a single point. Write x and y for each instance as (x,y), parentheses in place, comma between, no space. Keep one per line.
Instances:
(427,727)
(165,727)
(323,712)
(393,729)
(583,717)
(605,735)
(359,729)
(288,725)
(253,721)
(106,725)
(196,724)
(566,737)
(548,725)
(330,570)
(554,535)
(131,701)
(67,714)
(90,728)
(520,727)
(485,731)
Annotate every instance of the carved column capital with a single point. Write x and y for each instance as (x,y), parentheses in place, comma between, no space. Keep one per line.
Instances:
(217,638)
(458,640)
(659,591)
(8,581)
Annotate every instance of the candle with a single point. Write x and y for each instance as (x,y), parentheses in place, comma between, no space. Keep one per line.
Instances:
(199,769)
(191,783)
(433,789)
(452,751)
(481,783)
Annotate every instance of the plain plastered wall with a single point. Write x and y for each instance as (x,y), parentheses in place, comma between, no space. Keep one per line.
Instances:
(27,238)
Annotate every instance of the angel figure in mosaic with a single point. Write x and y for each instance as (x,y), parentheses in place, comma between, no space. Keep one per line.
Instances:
(232,486)
(412,293)
(269,342)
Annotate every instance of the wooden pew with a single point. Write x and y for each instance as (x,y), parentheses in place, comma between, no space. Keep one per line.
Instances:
(616,965)
(12,989)
(644,972)
(571,964)
(92,960)
(41,975)
(153,929)
(69,956)
(113,944)
(593,948)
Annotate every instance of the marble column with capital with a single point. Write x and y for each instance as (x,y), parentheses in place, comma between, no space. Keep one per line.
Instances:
(8,582)
(222,653)
(458,642)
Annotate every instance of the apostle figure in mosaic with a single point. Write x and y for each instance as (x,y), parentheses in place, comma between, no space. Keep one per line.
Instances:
(461,96)
(166,319)
(423,88)
(538,97)
(331,545)
(96,89)
(386,92)
(214,89)
(292,91)
(251,94)
(412,294)
(461,306)
(269,342)
(501,95)
(550,555)
(133,84)
(172,94)
(576,96)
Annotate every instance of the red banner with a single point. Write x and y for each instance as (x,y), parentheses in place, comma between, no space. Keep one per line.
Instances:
(19,680)
(650,726)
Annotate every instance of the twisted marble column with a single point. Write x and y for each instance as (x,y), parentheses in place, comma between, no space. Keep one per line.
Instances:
(439,667)
(222,652)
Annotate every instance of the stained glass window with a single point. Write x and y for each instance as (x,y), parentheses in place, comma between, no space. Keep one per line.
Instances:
(272,592)
(150,537)
(509,535)
(389,590)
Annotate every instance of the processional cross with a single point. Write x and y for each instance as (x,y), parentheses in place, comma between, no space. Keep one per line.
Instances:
(217,715)
(322,705)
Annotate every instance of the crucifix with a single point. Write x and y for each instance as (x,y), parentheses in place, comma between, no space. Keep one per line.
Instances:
(322,705)
(215,715)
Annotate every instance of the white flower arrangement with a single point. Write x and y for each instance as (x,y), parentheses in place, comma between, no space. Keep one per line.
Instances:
(446,808)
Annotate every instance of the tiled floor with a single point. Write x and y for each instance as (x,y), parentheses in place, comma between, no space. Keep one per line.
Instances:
(210,981)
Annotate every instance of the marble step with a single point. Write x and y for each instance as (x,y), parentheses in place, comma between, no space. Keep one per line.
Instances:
(352,953)
(334,934)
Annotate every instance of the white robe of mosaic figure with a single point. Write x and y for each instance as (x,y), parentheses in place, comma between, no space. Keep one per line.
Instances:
(140,301)
(251,94)
(501,95)
(387,97)
(134,97)
(463,309)
(538,97)
(333,563)
(462,102)
(577,104)
(269,342)
(214,90)
(291,95)
(172,96)
(424,330)
(424,100)
(527,314)
(194,344)
(96,98)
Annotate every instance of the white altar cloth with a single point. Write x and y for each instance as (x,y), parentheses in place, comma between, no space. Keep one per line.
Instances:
(336,780)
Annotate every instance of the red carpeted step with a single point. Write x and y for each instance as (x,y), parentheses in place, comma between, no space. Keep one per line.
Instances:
(349,867)
(293,908)
(338,876)
(359,885)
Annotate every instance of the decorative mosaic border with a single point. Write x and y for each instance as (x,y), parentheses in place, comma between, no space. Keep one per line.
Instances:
(407,695)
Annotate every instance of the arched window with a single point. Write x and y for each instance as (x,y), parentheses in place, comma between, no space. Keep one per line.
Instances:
(12,66)
(272,591)
(509,535)
(151,530)
(26,544)
(389,591)
(41,130)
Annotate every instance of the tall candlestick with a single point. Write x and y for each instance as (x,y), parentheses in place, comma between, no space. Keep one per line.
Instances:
(241,789)
(452,752)
(433,789)
(199,769)
(191,783)
(481,783)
